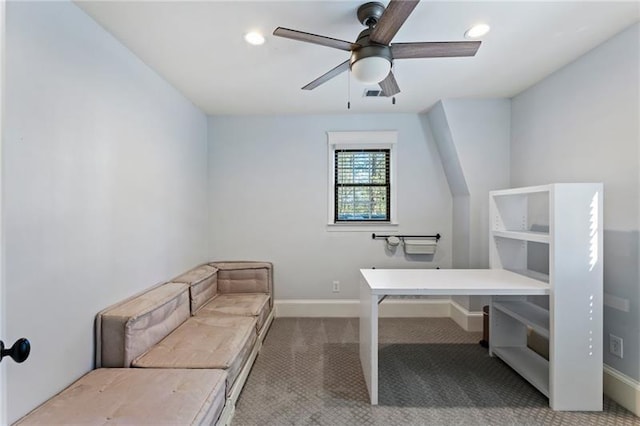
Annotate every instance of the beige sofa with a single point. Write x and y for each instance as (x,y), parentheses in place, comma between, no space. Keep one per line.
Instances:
(210,320)
(232,288)
(136,396)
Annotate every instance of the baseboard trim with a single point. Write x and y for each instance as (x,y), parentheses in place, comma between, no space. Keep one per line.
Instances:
(622,389)
(349,308)
(389,308)
(316,308)
(469,321)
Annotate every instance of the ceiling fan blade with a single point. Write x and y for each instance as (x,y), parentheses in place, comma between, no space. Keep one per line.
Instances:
(391,20)
(389,85)
(327,76)
(314,38)
(436,49)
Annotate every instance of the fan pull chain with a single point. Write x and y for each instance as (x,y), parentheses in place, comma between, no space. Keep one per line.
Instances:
(393,98)
(349,90)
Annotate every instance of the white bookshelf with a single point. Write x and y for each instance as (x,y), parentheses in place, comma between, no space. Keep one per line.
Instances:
(551,233)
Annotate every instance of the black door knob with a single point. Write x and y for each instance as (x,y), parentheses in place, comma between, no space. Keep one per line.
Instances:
(19,351)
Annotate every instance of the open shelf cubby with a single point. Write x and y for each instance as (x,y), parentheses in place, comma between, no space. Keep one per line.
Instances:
(528,364)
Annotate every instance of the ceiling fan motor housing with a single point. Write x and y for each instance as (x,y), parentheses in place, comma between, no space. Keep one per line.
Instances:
(369,13)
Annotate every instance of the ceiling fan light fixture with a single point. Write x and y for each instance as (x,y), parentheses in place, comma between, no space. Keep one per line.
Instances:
(254,38)
(372,54)
(477,31)
(372,69)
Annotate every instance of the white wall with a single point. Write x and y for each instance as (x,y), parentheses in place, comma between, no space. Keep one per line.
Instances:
(268,182)
(436,120)
(480,130)
(3,392)
(582,124)
(473,137)
(104,188)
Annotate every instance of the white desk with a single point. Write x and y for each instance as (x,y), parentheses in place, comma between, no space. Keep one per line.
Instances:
(377,283)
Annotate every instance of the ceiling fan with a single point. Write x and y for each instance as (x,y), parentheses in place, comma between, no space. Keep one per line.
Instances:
(372,55)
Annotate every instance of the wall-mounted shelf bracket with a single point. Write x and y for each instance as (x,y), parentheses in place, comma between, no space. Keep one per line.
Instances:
(402,237)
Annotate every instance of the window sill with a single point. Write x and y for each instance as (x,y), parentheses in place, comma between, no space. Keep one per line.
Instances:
(362,227)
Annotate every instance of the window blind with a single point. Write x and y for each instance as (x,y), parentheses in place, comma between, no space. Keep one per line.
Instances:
(362,185)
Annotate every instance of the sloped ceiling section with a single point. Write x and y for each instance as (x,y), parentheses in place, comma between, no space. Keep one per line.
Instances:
(446,147)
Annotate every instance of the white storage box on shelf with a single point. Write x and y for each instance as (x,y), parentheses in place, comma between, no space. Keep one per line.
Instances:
(420,246)
(569,258)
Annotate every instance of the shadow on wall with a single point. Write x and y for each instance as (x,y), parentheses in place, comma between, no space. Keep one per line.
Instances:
(622,299)
(621,293)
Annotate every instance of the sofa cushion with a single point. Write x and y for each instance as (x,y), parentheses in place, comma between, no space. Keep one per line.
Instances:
(245,304)
(136,396)
(128,329)
(243,277)
(203,282)
(205,342)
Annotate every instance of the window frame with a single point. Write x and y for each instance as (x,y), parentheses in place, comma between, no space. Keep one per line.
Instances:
(362,140)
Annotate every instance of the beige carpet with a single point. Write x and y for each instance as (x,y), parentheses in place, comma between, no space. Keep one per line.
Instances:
(431,372)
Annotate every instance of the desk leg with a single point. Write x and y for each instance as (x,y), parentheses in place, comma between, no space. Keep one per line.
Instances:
(369,339)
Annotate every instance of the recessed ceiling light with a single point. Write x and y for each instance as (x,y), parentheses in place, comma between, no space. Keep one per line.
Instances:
(477,31)
(254,38)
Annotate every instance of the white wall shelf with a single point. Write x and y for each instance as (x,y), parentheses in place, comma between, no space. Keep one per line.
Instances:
(521,191)
(538,237)
(572,254)
(531,274)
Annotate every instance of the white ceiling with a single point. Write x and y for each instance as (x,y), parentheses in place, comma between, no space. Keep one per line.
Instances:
(199,48)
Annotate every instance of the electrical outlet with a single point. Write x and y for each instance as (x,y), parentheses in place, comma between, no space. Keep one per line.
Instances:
(336,286)
(615,345)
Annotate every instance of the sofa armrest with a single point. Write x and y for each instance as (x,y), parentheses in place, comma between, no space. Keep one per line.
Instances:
(245,277)
(203,285)
(129,328)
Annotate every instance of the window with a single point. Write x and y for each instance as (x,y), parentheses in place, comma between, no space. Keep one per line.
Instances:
(362,179)
(362,188)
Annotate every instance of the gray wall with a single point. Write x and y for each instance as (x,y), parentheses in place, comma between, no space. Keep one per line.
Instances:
(581,124)
(104,188)
(268,183)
